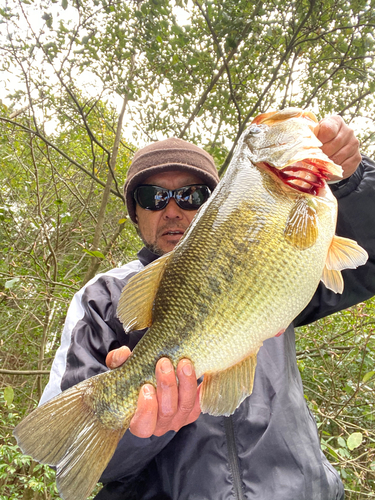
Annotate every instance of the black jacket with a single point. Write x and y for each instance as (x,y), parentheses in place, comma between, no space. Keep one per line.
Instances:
(269,448)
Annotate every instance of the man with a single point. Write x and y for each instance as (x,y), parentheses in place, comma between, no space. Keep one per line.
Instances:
(269,448)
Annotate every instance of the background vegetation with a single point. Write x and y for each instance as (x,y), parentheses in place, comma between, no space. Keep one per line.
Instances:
(86,82)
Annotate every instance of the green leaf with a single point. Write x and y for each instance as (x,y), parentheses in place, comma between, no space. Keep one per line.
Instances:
(341,442)
(8,395)
(121,221)
(64,4)
(11,283)
(94,253)
(367,376)
(48,19)
(354,440)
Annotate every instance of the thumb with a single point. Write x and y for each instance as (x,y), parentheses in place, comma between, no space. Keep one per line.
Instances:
(117,357)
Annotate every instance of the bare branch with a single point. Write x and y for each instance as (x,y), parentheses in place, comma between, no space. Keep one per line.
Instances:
(286,54)
(62,153)
(24,372)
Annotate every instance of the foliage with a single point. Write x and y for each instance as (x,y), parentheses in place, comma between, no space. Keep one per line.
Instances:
(336,359)
(82,82)
(20,476)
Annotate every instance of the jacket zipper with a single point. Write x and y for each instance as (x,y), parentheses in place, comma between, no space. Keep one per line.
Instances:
(233,458)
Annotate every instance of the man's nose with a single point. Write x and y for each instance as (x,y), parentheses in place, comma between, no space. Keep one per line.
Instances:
(172,210)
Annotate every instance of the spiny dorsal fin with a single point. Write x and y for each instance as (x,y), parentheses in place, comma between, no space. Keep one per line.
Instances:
(222,392)
(137,297)
(345,254)
(301,228)
(333,280)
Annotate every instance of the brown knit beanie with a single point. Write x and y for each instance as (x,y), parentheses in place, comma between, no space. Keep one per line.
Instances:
(170,154)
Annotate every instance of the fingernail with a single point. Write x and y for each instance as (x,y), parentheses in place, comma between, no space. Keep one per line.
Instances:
(166,366)
(187,369)
(148,391)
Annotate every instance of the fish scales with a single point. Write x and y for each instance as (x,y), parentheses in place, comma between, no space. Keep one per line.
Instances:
(208,315)
(248,264)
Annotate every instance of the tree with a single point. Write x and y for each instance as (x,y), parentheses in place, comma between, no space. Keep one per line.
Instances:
(85,80)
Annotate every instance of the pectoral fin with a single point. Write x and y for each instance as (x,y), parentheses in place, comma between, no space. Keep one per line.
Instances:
(222,392)
(333,280)
(301,228)
(137,297)
(343,253)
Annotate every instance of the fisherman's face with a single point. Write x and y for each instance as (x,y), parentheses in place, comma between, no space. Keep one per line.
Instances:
(161,230)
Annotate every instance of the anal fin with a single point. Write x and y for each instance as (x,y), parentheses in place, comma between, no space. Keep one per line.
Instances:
(222,392)
(137,297)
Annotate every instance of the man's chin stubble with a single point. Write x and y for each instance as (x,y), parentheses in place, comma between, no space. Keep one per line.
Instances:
(150,246)
(154,248)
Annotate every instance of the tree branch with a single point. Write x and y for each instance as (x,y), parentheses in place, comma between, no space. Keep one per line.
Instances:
(24,372)
(73,162)
(217,43)
(288,49)
(214,81)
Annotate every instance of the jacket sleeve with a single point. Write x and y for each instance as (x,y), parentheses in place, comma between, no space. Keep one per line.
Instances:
(356,220)
(91,330)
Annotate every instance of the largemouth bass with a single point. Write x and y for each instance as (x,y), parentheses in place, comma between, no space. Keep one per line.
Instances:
(248,264)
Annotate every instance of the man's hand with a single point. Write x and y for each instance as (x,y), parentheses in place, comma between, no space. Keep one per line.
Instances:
(340,144)
(172,405)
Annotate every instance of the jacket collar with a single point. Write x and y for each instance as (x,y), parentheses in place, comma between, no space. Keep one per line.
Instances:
(146,256)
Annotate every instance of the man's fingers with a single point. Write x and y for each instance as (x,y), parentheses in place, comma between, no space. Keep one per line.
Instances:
(187,387)
(196,411)
(117,357)
(186,404)
(144,420)
(329,128)
(340,144)
(171,405)
(167,393)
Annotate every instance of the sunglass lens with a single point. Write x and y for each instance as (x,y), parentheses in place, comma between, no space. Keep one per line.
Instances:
(192,197)
(156,198)
(151,197)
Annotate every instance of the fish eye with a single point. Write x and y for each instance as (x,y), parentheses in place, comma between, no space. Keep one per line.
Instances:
(255,130)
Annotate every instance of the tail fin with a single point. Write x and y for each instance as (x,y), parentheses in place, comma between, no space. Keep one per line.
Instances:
(66,433)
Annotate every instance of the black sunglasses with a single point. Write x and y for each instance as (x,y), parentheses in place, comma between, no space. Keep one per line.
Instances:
(156,198)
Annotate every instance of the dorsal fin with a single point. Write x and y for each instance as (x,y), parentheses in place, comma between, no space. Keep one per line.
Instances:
(222,392)
(136,302)
(301,228)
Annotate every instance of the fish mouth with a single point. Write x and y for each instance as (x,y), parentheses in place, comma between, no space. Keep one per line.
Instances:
(307,176)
